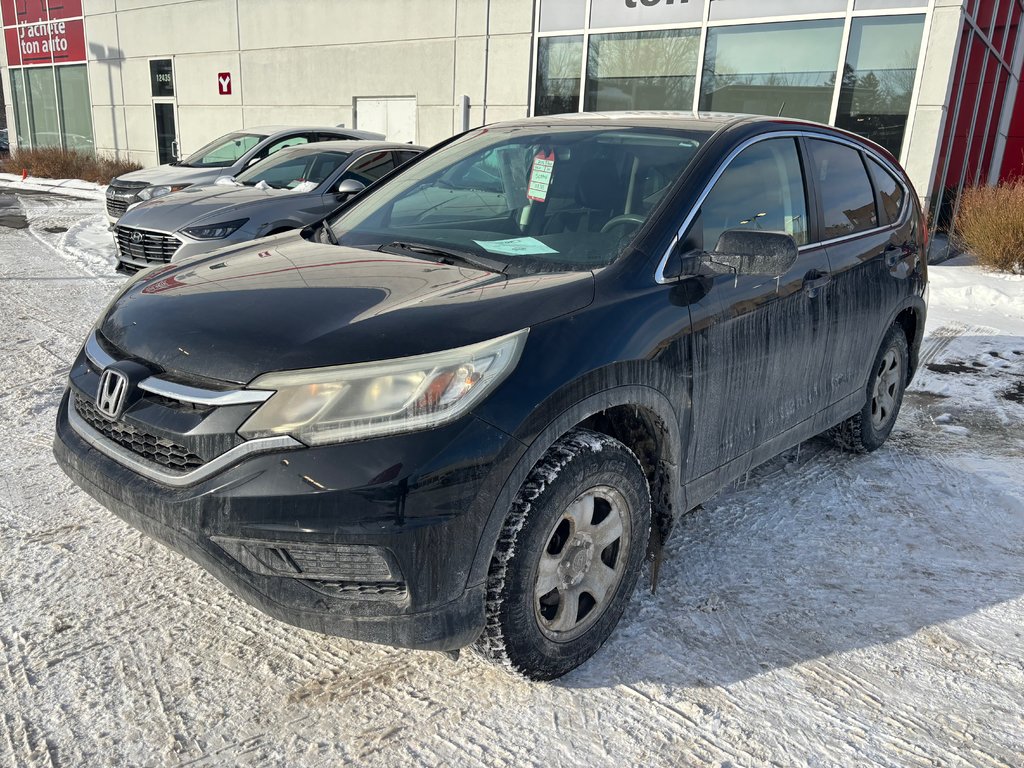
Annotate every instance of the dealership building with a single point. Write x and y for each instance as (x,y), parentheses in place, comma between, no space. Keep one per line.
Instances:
(935,81)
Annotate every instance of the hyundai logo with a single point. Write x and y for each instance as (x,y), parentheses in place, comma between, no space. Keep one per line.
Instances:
(111,393)
(136,237)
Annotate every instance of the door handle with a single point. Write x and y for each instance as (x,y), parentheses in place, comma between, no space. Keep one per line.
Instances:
(815,280)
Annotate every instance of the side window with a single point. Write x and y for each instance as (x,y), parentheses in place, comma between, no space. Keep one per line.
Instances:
(371,167)
(405,156)
(763,188)
(289,141)
(847,199)
(889,190)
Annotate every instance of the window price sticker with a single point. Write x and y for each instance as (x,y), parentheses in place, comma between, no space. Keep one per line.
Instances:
(540,176)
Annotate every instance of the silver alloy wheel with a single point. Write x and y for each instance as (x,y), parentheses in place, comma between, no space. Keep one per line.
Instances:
(583,561)
(887,384)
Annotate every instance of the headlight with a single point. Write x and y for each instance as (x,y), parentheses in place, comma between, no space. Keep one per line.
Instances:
(352,402)
(159,191)
(214,231)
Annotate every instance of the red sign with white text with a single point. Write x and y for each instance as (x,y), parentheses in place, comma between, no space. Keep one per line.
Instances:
(224,83)
(43,31)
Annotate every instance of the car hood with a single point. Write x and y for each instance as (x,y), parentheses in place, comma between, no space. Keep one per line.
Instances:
(287,303)
(175,174)
(200,204)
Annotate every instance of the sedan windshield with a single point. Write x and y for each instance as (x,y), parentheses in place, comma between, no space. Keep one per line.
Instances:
(544,197)
(224,151)
(293,170)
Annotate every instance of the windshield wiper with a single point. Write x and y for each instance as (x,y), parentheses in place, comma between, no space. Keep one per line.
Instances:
(325,229)
(447,256)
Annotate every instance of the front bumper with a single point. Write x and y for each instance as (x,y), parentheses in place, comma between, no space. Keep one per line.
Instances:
(420,498)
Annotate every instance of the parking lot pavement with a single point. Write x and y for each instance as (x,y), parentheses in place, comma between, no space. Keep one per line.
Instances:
(829,610)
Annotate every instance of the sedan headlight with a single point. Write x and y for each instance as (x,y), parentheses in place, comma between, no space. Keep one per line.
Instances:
(214,231)
(352,402)
(150,193)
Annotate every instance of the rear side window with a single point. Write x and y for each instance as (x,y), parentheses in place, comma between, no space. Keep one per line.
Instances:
(889,190)
(763,188)
(847,199)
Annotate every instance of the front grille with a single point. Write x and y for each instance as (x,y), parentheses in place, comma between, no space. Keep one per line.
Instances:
(116,207)
(121,194)
(145,245)
(158,450)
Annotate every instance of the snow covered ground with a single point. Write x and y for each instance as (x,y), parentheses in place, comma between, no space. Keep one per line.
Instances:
(831,610)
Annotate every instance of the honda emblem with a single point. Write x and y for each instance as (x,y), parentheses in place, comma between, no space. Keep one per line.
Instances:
(111,393)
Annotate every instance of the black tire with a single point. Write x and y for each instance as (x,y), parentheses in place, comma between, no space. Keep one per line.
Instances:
(869,429)
(565,513)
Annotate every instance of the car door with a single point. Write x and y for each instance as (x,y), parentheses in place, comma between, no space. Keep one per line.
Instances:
(757,364)
(868,241)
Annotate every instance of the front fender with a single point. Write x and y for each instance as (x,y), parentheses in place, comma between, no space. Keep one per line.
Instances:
(568,416)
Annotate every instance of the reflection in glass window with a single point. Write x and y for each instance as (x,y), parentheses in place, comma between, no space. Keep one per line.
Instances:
(889,190)
(75,110)
(642,70)
(878,78)
(763,188)
(772,69)
(42,107)
(20,106)
(847,199)
(371,167)
(559,62)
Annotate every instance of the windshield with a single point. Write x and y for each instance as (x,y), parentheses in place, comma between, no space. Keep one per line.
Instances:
(224,151)
(536,197)
(292,170)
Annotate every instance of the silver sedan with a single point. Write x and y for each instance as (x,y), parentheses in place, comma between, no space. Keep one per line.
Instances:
(293,188)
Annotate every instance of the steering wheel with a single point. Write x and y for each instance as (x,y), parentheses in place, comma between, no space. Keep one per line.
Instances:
(617,221)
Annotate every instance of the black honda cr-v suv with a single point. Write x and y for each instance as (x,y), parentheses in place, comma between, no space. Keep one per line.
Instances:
(465,407)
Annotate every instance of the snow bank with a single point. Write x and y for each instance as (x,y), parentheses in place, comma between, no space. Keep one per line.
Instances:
(68,187)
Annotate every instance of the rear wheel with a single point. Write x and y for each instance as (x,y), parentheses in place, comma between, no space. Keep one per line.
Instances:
(568,557)
(870,428)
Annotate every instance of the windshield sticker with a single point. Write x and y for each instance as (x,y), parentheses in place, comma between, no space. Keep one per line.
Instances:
(540,176)
(516,246)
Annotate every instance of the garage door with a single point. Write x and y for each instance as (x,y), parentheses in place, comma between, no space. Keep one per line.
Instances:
(394,116)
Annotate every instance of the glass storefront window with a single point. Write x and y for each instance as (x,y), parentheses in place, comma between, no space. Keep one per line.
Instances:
(559,64)
(44,131)
(784,69)
(878,79)
(73,100)
(642,70)
(52,107)
(20,106)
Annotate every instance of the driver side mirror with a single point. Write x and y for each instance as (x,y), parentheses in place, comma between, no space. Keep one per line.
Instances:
(349,187)
(741,252)
(753,252)
(252,161)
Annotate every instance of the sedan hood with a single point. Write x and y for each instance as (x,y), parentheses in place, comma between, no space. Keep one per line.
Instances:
(288,303)
(176,174)
(198,205)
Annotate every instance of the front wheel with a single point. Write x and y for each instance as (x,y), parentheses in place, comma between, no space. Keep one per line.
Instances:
(568,557)
(867,430)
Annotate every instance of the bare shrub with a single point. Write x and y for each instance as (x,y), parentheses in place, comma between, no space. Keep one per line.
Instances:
(57,163)
(990,224)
